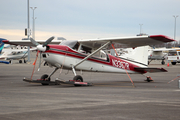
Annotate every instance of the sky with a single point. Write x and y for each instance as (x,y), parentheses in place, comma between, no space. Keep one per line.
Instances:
(88,19)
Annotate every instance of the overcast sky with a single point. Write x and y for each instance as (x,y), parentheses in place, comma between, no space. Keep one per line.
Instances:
(80,19)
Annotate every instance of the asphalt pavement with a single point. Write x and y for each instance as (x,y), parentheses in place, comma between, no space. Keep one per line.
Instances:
(111,97)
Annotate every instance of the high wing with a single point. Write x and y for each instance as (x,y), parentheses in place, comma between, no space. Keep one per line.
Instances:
(119,42)
(28,42)
(126,42)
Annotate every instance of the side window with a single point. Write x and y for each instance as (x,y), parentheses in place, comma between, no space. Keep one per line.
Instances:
(86,50)
(178,53)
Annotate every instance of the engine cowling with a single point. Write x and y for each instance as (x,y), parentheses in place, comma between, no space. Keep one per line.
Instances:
(41,48)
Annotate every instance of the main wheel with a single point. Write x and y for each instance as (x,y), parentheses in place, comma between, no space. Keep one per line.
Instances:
(163,62)
(43,77)
(20,61)
(78,78)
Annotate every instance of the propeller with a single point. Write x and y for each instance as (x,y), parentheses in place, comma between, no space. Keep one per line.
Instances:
(41,48)
(48,41)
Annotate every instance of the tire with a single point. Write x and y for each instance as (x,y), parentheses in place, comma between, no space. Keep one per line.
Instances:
(162,62)
(78,78)
(43,77)
(173,63)
(20,61)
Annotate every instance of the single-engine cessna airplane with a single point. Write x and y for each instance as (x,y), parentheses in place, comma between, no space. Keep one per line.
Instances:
(86,55)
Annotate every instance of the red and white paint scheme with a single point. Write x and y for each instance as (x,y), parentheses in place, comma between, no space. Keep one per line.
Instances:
(88,55)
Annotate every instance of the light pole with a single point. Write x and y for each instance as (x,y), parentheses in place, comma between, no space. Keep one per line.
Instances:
(28,30)
(33,35)
(140,28)
(175,28)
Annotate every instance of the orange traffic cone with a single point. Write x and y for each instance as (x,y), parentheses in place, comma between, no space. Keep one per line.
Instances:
(34,62)
(167,64)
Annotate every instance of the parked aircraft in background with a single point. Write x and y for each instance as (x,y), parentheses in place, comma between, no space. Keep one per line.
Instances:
(17,52)
(85,55)
(160,54)
(157,54)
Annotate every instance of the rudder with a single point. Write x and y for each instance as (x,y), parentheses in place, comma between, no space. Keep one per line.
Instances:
(1,44)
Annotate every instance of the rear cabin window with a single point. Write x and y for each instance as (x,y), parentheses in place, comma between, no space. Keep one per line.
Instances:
(172,54)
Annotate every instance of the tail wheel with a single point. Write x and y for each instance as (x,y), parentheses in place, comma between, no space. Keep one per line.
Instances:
(43,77)
(78,78)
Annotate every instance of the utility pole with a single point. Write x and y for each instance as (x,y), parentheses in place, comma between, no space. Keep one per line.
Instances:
(175,28)
(33,35)
(28,30)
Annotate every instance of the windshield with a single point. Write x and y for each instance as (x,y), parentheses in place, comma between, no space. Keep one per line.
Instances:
(70,43)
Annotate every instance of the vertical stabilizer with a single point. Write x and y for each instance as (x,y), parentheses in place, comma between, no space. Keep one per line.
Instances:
(138,55)
(1,45)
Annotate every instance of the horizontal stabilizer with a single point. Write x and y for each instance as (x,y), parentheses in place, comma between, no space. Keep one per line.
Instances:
(150,69)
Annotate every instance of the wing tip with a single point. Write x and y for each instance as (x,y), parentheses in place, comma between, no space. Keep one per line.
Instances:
(162,38)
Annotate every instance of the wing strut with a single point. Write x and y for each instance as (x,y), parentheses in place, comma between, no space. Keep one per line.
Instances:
(123,66)
(91,54)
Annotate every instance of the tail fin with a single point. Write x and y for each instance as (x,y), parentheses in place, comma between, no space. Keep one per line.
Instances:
(1,44)
(138,55)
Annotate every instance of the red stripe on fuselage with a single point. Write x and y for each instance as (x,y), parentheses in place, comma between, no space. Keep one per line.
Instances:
(113,61)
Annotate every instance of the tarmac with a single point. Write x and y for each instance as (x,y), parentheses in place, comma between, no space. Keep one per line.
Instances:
(112,96)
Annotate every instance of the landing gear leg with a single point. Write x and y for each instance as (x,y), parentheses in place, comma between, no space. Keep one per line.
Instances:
(76,78)
(53,72)
(24,61)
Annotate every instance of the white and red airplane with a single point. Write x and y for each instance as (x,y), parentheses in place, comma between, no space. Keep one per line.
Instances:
(86,55)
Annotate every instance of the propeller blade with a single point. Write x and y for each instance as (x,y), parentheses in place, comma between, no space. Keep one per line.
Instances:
(48,41)
(34,42)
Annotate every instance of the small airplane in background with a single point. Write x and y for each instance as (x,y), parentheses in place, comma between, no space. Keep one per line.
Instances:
(159,54)
(16,52)
(86,55)
(13,52)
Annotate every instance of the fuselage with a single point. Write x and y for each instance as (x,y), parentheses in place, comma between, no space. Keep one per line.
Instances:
(62,55)
(11,55)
